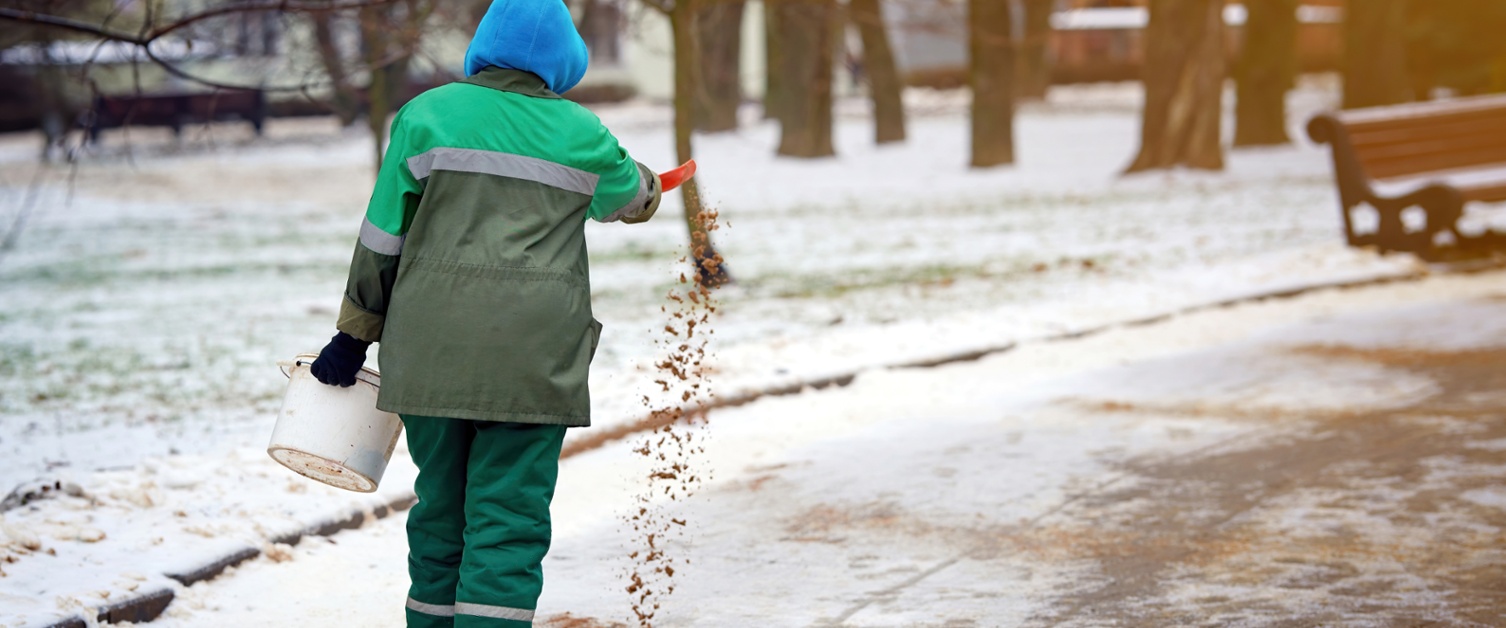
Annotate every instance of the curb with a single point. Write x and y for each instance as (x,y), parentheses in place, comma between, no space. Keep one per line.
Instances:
(150,605)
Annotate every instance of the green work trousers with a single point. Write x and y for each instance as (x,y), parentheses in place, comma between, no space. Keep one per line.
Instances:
(480,529)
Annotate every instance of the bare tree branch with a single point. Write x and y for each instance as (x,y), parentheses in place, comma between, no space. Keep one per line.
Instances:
(378,64)
(284,6)
(71,25)
(150,34)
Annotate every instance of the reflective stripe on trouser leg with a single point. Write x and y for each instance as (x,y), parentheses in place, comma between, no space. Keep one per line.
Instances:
(436,524)
(510,482)
(437,610)
(493,612)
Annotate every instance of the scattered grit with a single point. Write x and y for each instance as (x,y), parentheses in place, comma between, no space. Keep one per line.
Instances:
(684,389)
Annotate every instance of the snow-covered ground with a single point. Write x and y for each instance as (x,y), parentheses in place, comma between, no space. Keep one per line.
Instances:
(154,288)
(1332,459)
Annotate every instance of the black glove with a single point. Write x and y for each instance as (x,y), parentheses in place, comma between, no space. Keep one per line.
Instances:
(340,360)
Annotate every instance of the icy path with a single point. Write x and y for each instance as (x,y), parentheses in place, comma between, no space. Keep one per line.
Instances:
(1335,458)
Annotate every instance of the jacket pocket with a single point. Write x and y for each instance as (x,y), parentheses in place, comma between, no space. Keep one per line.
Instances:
(595,337)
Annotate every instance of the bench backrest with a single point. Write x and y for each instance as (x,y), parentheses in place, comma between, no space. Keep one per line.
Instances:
(170,108)
(1420,138)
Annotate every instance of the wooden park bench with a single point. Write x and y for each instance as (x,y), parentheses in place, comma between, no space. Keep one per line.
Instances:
(1435,157)
(177,110)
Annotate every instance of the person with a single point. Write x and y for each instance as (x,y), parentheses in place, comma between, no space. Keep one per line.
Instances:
(471,272)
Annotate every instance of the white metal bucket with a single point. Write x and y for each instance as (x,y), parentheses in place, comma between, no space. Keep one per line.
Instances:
(331,434)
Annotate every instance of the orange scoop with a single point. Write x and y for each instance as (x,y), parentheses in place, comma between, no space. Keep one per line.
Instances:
(673,178)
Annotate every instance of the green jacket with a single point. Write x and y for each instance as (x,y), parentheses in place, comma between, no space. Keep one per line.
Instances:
(471,266)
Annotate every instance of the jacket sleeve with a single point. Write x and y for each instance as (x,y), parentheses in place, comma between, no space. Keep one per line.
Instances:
(373,267)
(627,190)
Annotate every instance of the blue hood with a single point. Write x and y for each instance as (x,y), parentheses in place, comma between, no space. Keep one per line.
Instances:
(535,36)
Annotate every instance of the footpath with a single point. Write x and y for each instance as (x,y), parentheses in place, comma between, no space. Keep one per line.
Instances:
(1334,458)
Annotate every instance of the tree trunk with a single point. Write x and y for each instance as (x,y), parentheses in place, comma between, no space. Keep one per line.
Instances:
(51,108)
(774,95)
(1184,80)
(806,64)
(408,31)
(1266,72)
(719,26)
(345,102)
(991,74)
(1420,51)
(396,81)
(1035,50)
(777,92)
(709,270)
(884,86)
(1375,60)
(389,34)
(601,27)
(374,30)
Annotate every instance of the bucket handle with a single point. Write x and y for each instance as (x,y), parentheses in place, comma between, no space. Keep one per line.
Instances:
(366,374)
(287,366)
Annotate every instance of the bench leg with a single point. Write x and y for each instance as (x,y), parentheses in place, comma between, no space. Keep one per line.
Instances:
(1391,233)
(1442,207)
(1445,207)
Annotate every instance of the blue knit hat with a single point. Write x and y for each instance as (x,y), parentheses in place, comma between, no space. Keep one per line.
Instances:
(535,36)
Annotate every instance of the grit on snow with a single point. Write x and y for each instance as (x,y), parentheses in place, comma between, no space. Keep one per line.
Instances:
(157,284)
